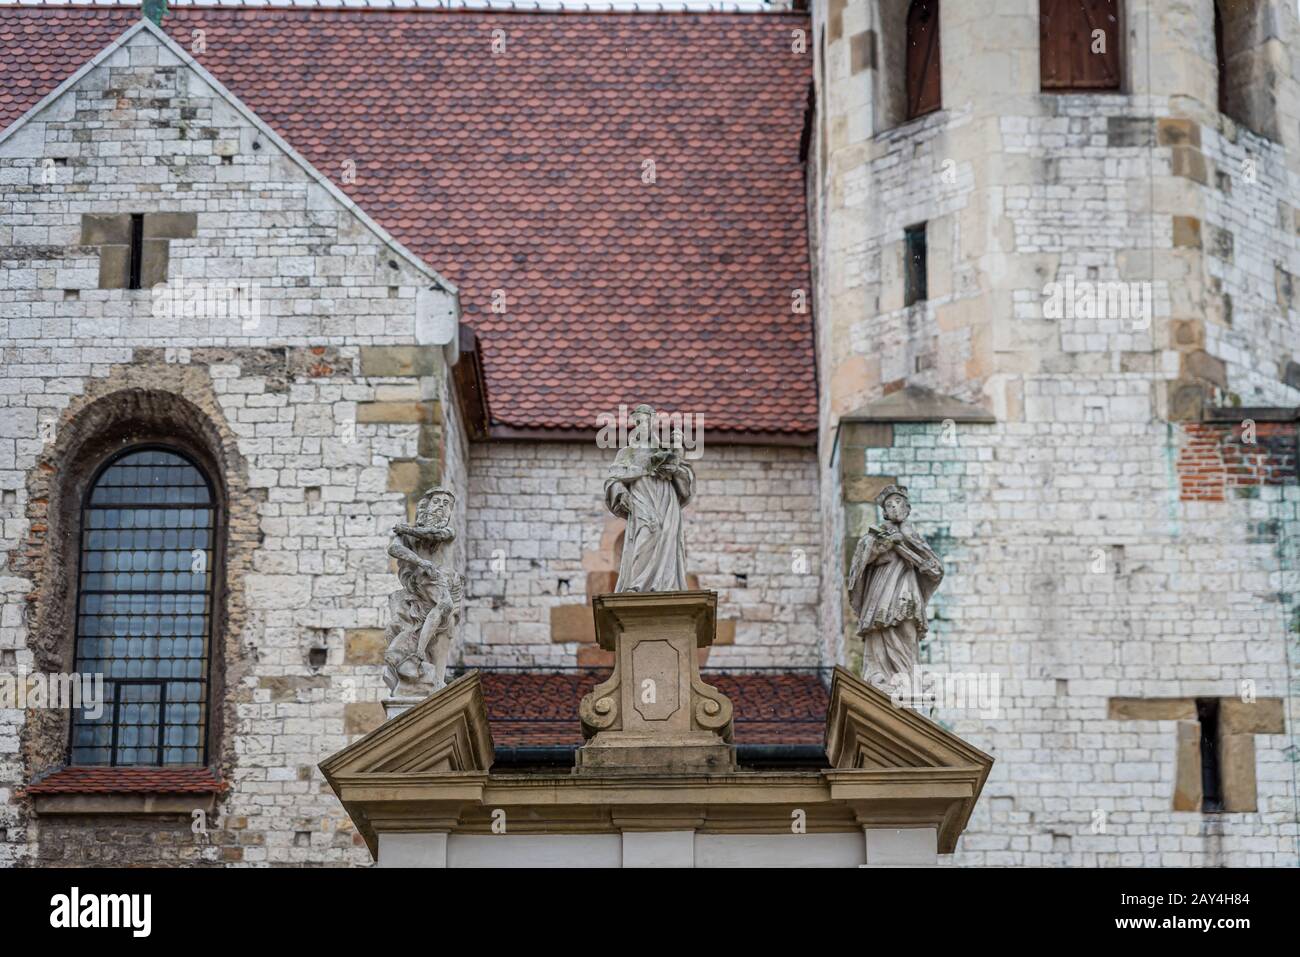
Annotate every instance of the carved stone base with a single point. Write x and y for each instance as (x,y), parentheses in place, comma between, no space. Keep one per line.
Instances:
(655,714)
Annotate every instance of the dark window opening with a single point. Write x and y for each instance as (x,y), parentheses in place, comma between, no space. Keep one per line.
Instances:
(1079,44)
(137,251)
(924,94)
(1207,713)
(1221,59)
(144,611)
(914,252)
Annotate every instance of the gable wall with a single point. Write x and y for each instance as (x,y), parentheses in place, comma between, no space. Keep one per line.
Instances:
(330,415)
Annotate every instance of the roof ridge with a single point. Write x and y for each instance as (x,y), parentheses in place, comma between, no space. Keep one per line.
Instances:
(445,7)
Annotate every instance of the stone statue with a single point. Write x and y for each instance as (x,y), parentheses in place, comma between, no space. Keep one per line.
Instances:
(893,574)
(424,612)
(648,485)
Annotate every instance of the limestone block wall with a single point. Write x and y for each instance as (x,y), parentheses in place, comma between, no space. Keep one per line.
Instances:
(1080,575)
(325,413)
(1115,441)
(542,544)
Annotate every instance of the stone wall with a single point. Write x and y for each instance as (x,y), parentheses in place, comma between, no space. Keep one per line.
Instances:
(1115,446)
(324,417)
(542,543)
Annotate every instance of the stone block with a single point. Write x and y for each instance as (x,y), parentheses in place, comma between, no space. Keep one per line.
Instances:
(1178,132)
(364,646)
(1263,716)
(1201,365)
(399,412)
(362,717)
(154,261)
(1237,771)
(572,623)
(399,361)
(862,51)
(1187,232)
(1151,709)
(865,488)
(601,583)
(114,267)
(170,225)
(102,230)
(1187,769)
(1189,163)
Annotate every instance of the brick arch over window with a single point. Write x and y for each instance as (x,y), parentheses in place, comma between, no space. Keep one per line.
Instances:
(92,435)
(924,94)
(1079,45)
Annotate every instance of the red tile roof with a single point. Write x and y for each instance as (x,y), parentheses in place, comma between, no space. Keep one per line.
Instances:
(530,708)
(129,781)
(521,171)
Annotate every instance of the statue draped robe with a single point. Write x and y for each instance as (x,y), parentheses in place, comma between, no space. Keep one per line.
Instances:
(888,591)
(654,555)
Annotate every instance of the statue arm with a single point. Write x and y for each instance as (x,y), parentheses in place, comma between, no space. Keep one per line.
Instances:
(427,534)
(616,495)
(684,482)
(397,549)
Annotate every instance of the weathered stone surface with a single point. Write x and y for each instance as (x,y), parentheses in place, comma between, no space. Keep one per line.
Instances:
(305,491)
(1188,794)
(364,646)
(1262,716)
(362,717)
(400,361)
(1151,709)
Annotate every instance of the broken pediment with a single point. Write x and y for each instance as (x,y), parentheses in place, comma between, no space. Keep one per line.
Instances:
(866,729)
(446,732)
(880,750)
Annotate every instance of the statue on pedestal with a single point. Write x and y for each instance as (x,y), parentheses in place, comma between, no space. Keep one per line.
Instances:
(892,576)
(424,612)
(648,484)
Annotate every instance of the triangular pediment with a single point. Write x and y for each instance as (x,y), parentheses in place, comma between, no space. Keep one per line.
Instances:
(866,730)
(446,732)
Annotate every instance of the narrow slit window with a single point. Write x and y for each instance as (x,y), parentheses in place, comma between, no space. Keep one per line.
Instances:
(1207,713)
(137,251)
(914,252)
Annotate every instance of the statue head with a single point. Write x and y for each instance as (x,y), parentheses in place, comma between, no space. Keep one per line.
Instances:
(894,503)
(434,509)
(641,425)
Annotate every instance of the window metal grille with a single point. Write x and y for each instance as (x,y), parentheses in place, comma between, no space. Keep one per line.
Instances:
(144,610)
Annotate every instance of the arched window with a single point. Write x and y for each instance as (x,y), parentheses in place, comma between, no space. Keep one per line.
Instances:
(1079,44)
(924,94)
(144,610)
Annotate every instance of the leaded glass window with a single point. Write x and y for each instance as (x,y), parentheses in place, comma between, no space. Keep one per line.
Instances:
(144,610)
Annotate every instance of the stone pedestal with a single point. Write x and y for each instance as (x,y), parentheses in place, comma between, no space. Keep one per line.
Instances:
(655,714)
(394,706)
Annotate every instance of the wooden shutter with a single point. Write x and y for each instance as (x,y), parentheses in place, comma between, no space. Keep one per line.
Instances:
(924,94)
(1066,60)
